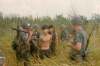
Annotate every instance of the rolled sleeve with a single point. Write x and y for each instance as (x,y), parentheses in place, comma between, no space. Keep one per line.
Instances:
(78,38)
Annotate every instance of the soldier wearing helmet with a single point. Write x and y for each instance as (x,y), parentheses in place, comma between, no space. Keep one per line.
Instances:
(64,33)
(79,43)
(25,39)
(35,39)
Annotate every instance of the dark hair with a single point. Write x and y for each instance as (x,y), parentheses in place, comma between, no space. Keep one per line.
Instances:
(50,26)
(44,27)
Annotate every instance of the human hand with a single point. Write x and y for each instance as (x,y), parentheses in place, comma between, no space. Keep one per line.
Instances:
(26,42)
(69,44)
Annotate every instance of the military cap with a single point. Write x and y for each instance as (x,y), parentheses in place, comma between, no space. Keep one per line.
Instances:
(62,26)
(76,21)
(26,25)
(36,26)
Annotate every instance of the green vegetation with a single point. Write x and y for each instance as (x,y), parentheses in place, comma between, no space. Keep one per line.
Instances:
(62,57)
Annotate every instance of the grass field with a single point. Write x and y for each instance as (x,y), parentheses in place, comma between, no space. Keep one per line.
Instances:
(62,57)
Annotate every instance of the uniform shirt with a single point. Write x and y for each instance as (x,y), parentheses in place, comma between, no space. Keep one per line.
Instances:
(2,58)
(64,35)
(23,36)
(38,34)
(80,36)
(24,47)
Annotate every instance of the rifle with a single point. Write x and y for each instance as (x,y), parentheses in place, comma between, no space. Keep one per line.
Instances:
(88,40)
(18,30)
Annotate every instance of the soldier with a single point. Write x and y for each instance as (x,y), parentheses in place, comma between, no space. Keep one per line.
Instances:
(54,41)
(35,39)
(64,33)
(25,39)
(21,43)
(79,43)
(85,25)
(2,59)
(44,43)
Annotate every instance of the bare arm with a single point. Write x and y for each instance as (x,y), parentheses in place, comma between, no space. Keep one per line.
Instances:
(3,63)
(77,47)
(29,38)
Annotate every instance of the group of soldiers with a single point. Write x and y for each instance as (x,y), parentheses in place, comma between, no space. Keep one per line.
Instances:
(28,42)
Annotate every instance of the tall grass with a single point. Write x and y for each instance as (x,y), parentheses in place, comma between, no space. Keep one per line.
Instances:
(62,57)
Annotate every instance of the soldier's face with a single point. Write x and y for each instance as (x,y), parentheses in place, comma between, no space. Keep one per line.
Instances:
(36,29)
(75,27)
(45,31)
(62,29)
(26,29)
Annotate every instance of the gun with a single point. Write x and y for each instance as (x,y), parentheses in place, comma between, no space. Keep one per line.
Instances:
(18,30)
(88,40)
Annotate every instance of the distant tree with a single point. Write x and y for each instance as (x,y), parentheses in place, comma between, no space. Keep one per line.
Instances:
(95,17)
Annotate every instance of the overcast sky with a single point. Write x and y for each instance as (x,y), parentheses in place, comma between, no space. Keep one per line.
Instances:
(49,7)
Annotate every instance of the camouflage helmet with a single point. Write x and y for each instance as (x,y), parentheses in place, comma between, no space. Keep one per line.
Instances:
(26,25)
(62,26)
(76,21)
(36,26)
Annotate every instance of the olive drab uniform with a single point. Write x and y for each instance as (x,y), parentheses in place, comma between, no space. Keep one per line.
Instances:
(64,35)
(2,58)
(22,49)
(53,43)
(80,36)
(34,42)
(15,45)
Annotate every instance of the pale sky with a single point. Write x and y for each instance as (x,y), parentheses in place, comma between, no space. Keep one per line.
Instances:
(49,7)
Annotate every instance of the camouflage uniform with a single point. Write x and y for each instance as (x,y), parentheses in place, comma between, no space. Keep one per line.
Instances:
(22,49)
(64,34)
(53,43)
(34,42)
(2,58)
(80,36)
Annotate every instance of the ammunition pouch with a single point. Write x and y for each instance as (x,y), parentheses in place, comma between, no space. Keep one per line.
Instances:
(85,53)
